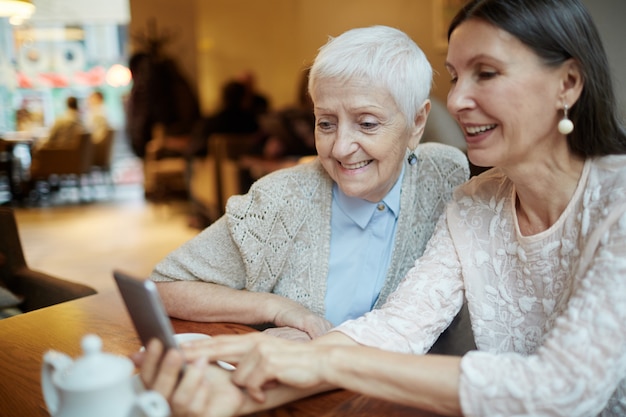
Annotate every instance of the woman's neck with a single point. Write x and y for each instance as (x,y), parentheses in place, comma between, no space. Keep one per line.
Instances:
(543,193)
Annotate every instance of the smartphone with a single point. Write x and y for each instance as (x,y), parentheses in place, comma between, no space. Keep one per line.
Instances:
(147,313)
(145,309)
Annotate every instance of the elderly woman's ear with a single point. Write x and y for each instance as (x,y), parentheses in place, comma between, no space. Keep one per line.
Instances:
(419,124)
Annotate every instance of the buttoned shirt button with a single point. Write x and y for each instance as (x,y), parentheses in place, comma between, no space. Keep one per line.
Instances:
(380,207)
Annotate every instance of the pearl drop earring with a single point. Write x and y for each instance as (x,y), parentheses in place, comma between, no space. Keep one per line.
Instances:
(566,126)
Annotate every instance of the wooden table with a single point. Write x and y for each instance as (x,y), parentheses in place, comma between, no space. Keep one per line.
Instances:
(25,338)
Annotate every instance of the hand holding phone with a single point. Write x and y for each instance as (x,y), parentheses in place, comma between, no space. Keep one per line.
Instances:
(148,314)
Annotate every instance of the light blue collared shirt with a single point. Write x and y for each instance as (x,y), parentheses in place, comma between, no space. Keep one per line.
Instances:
(361,243)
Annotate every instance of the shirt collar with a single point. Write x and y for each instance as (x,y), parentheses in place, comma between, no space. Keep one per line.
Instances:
(361,211)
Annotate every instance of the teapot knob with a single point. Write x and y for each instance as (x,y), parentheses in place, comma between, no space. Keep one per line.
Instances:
(91,344)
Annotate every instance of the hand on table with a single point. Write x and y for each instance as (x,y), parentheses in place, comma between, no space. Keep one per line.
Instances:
(299,317)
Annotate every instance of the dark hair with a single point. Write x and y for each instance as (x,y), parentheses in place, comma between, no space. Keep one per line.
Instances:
(72,103)
(557,30)
(233,94)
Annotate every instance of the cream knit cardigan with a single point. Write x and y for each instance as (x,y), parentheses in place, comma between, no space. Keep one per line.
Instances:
(276,238)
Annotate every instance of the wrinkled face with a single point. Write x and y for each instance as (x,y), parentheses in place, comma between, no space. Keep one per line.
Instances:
(361,136)
(505,99)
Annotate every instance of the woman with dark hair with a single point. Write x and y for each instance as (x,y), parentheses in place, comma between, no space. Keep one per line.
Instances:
(536,246)
(557,35)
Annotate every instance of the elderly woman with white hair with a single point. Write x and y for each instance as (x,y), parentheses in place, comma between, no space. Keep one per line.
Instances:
(312,246)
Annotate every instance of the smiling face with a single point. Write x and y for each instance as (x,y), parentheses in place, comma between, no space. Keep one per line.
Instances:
(361,136)
(505,99)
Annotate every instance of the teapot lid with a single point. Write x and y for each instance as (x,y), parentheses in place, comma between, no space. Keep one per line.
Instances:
(94,369)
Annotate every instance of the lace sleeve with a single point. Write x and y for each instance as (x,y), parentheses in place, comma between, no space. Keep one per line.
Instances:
(580,367)
(422,306)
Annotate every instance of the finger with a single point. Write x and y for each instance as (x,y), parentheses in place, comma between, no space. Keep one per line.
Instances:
(184,401)
(169,373)
(224,399)
(255,371)
(137,358)
(229,348)
(199,403)
(150,362)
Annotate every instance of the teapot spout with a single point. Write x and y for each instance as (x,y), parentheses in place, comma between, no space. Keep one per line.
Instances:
(53,362)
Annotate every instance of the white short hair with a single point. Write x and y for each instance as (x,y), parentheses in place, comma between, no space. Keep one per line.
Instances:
(383,55)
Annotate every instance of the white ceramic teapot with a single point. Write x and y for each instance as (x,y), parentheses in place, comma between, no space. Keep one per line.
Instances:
(97,385)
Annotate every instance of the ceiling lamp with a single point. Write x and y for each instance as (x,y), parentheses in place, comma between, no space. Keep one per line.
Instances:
(17,9)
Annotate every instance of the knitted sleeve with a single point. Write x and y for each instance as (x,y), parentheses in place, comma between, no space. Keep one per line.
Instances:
(211,257)
(281,229)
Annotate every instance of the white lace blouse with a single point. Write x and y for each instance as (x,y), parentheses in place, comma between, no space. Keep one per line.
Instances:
(548,311)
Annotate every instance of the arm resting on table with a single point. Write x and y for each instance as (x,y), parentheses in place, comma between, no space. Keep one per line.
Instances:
(428,382)
(208,302)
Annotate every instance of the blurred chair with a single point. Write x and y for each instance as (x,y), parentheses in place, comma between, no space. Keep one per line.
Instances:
(102,158)
(14,163)
(217,176)
(5,170)
(71,166)
(4,157)
(30,289)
